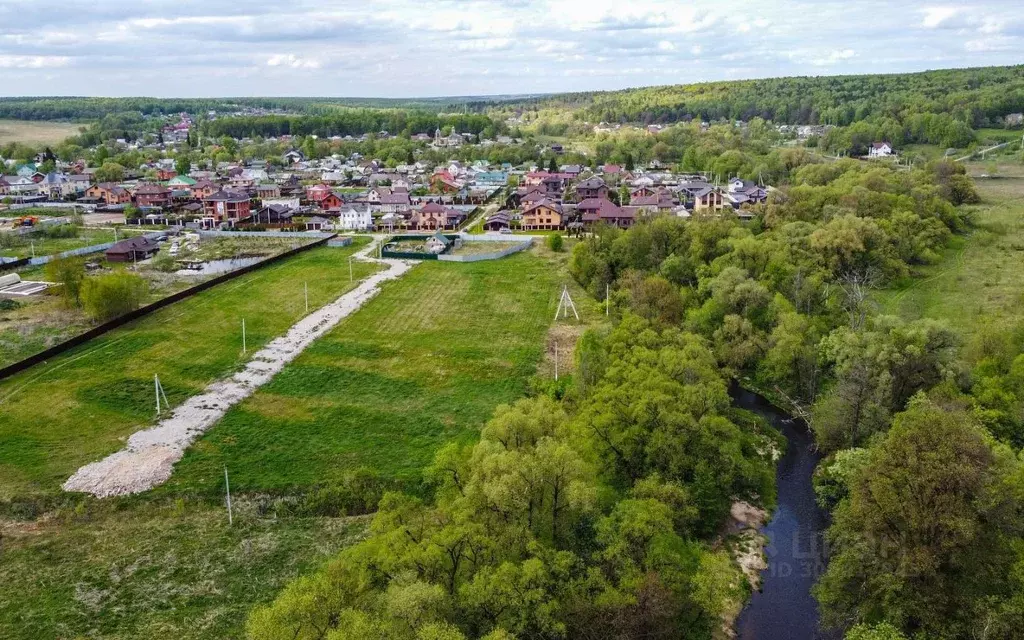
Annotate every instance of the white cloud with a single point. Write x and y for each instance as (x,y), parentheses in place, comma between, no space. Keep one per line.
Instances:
(395,48)
(935,16)
(33,62)
(293,61)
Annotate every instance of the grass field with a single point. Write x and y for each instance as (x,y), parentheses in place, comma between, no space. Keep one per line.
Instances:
(25,246)
(153,570)
(980,278)
(78,407)
(424,363)
(31,132)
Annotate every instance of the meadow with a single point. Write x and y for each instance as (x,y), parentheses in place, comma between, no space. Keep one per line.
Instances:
(15,246)
(33,132)
(78,407)
(423,363)
(979,279)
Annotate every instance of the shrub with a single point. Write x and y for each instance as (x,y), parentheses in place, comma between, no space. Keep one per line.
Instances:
(555,242)
(356,494)
(70,274)
(107,297)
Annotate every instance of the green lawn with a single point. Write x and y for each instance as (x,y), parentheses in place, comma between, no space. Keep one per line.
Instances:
(80,406)
(980,279)
(156,570)
(424,363)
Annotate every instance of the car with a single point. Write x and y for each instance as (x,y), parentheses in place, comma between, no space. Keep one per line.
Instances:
(504,230)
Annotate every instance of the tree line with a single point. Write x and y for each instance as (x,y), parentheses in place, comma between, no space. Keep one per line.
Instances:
(978,97)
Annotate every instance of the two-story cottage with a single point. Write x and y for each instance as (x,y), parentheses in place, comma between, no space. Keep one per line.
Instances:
(110,193)
(152,195)
(544,215)
(591,188)
(225,207)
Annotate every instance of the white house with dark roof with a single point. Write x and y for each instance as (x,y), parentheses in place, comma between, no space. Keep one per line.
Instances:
(880,150)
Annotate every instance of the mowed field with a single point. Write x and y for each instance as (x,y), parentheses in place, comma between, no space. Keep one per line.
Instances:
(981,276)
(81,406)
(31,132)
(424,362)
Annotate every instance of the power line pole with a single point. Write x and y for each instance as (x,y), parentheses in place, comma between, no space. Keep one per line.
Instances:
(243,336)
(227,490)
(305,287)
(158,389)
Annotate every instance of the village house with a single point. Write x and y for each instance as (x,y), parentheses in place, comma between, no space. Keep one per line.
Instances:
(273,214)
(132,250)
(498,221)
(225,206)
(204,189)
(880,150)
(56,186)
(591,188)
(656,202)
(80,183)
(351,218)
(542,216)
(745,192)
(603,210)
(268,190)
(181,182)
(702,195)
(331,203)
(152,195)
(109,193)
(394,202)
(431,216)
(317,192)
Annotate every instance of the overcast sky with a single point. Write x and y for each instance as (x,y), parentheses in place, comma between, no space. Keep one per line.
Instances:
(407,48)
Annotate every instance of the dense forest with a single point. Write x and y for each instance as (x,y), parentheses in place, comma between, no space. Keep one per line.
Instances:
(347,122)
(89,108)
(977,97)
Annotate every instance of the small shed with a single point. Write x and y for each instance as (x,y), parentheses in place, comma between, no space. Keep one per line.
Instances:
(438,243)
(316,223)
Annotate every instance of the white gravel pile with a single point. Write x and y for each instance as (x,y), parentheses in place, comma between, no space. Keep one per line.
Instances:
(149,458)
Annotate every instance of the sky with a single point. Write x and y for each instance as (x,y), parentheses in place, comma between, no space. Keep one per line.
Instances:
(419,48)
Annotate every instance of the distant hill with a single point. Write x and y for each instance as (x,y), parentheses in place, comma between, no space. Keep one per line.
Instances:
(977,96)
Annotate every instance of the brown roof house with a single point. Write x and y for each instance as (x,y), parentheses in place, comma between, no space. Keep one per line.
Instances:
(132,250)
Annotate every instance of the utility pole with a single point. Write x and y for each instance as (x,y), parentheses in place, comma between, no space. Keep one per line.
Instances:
(159,391)
(350,278)
(305,288)
(607,300)
(227,490)
(243,336)
(556,362)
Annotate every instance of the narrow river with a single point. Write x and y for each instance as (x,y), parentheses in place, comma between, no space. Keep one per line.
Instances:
(785,608)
